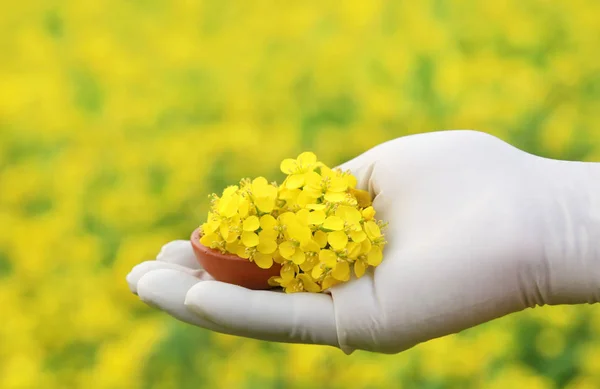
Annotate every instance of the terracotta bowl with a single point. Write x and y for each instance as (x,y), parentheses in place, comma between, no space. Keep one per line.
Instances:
(231,268)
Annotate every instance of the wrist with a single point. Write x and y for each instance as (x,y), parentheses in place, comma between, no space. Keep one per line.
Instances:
(571,224)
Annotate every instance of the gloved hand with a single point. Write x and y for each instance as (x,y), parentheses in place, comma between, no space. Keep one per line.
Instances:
(477,230)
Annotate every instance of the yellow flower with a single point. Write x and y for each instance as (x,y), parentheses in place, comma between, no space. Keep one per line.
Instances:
(228,203)
(330,264)
(267,243)
(290,251)
(300,283)
(351,217)
(372,230)
(375,256)
(333,223)
(317,225)
(294,229)
(250,239)
(316,217)
(368,213)
(297,169)
(360,266)
(321,238)
(251,224)
(337,240)
(264,261)
(264,194)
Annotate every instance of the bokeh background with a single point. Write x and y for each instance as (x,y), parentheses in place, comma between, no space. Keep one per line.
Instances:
(117,118)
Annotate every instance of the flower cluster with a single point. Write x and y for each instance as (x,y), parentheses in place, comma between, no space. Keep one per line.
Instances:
(316,225)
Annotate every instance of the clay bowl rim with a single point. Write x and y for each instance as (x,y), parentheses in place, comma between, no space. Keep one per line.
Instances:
(195,239)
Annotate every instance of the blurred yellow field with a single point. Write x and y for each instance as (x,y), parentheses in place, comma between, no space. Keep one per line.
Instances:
(118,118)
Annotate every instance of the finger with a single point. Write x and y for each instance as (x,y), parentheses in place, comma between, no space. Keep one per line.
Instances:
(179,252)
(166,289)
(265,315)
(140,270)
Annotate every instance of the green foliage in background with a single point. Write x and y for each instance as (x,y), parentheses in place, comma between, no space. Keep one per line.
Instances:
(117,118)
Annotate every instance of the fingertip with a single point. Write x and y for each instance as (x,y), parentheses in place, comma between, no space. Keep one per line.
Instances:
(164,286)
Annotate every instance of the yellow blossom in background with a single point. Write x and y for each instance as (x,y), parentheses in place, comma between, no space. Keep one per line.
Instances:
(117,117)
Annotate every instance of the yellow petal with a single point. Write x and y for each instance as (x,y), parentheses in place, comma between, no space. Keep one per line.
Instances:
(294,286)
(309,284)
(268,235)
(349,214)
(338,184)
(299,232)
(232,247)
(224,230)
(362,197)
(368,213)
(316,207)
(309,263)
(230,190)
(313,191)
(228,206)
(372,230)
(259,182)
(365,246)
(350,180)
(264,261)
(316,272)
(288,272)
(328,282)
(232,236)
(321,238)
(274,281)
(335,197)
(288,166)
(341,271)
(251,224)
(375,256)
(327,172)
(249,239)
(266,246)
(302,216)
(304,198)
(312,179)
(307,158)
(358,236)
(265,204)
(210,226)
(289,195)
(359,268)
(299,257)
(310,246)
(337,240)
(208,239)
(333,223)
(295,181)
(287,249)
(244,207)
(287,218)
(316,217)
(353,249)
(242,252)
(267,222)
(328,257)
(277,257)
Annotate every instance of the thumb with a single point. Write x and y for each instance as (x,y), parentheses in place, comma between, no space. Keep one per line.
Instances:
(265,315)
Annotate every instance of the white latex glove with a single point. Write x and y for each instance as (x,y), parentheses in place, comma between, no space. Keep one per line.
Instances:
(477,230)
